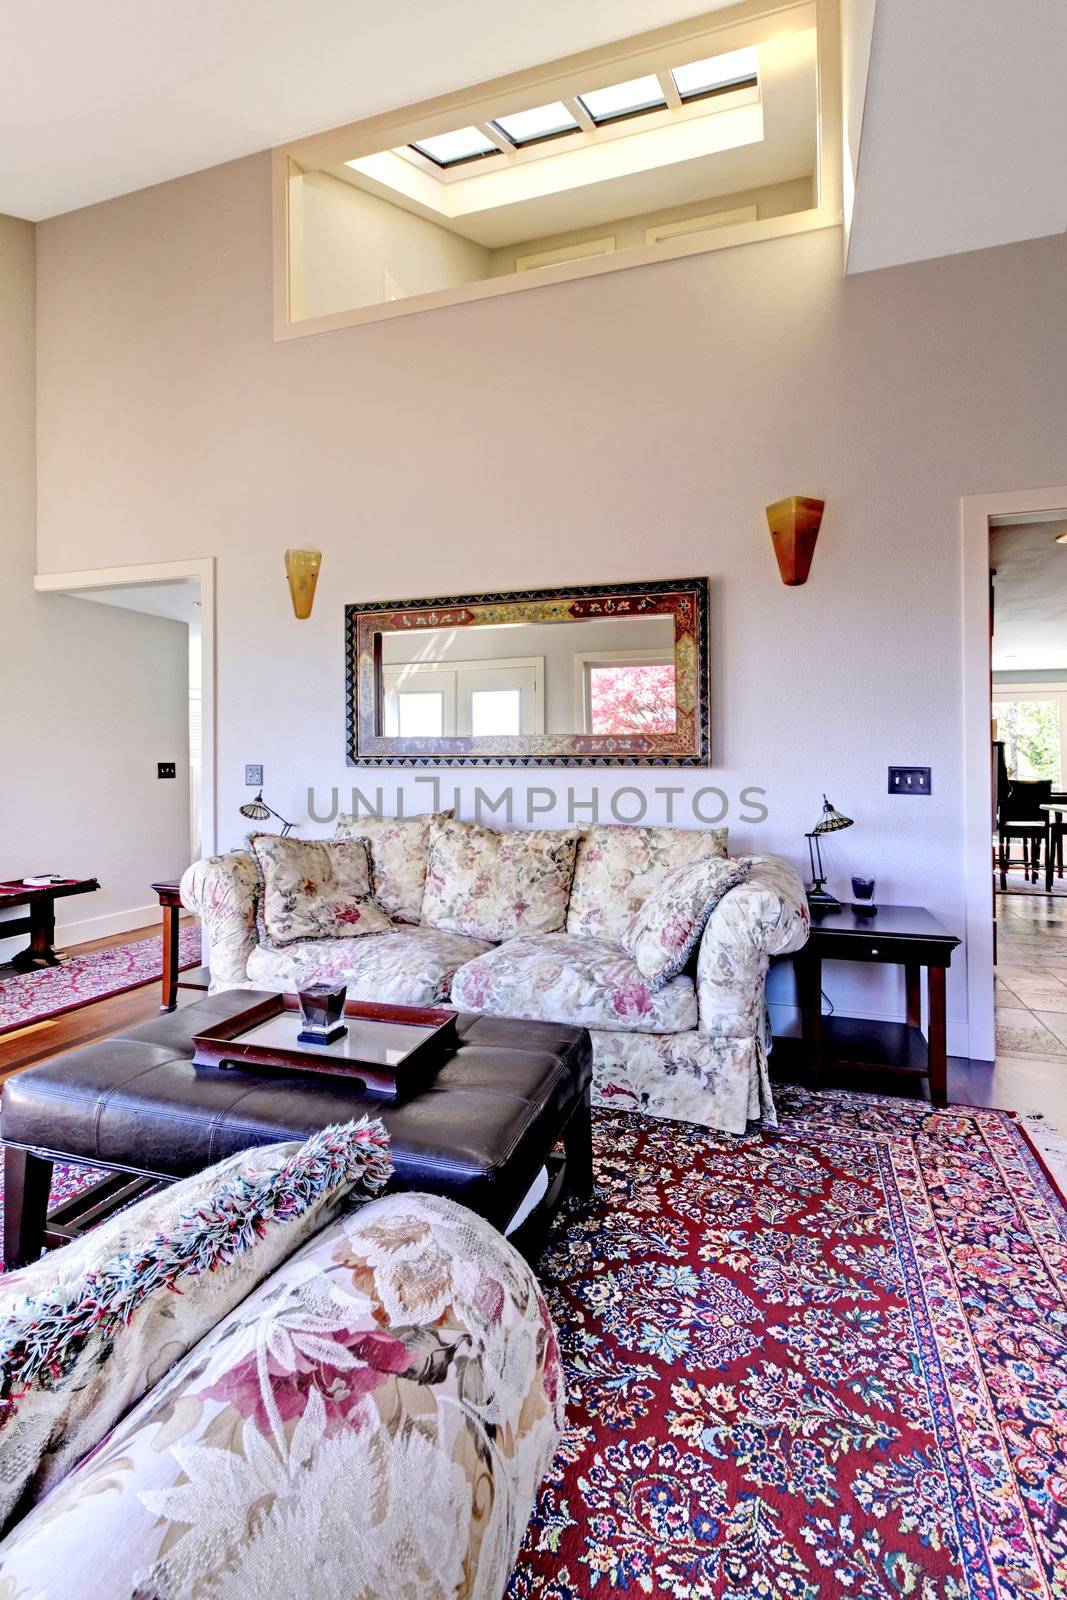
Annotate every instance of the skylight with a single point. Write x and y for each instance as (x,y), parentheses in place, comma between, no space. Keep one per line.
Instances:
(715,74)
(624,99)
(542,122)
(450,149)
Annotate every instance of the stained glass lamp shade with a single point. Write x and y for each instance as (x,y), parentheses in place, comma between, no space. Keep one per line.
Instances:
(258,810)
(831,821)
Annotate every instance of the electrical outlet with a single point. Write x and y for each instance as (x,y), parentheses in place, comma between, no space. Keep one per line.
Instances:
(166,769)
(254,776)
(909,780)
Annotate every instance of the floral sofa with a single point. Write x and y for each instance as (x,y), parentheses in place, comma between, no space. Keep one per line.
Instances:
(373,1419)
(530,925)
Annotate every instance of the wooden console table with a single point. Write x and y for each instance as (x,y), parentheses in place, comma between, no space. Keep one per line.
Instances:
(907,936)
(41,922)
(196,977)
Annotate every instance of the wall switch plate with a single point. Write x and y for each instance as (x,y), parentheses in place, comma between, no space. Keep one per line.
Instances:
(166,769)
(254,776)
(909,780)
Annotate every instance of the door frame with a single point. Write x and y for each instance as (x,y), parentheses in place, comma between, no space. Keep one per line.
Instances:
(202,568)
(977,511)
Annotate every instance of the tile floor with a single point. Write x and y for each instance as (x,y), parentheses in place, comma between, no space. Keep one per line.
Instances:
(1031,977)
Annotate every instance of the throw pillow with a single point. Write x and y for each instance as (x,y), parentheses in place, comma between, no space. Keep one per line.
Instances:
(617,868)
(493,885)
(313,889)
(666,928)
(74,1359)
(398,848)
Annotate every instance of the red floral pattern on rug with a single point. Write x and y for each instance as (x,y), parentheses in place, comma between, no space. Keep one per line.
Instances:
(829,1361)
(27,997)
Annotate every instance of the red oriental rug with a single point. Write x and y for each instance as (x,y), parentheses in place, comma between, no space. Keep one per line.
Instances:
(826,1362)
(27,997)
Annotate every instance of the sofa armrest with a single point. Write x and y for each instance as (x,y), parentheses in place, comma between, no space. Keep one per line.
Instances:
(221,890)
(765,916)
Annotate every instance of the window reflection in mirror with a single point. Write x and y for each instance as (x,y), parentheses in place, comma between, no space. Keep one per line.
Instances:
(603,676)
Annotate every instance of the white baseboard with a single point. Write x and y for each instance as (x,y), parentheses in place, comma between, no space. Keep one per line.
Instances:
(785,1022)
(87,929)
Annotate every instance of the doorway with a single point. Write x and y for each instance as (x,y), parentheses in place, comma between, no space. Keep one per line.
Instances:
(183,591)
(1007,691)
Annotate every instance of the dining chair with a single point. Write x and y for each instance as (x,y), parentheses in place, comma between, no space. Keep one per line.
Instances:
(1020,817)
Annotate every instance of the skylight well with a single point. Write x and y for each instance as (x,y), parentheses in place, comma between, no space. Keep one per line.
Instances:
(592,113)
(658,147)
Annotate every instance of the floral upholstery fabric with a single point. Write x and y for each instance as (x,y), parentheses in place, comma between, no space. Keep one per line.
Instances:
(373,1420)
(765,916)
(73,1359)
(689,1077)
(494,885)
(665,929)
(398,848)
(221,890)
(617,868)
(557,977)
(313,889)
(406,967)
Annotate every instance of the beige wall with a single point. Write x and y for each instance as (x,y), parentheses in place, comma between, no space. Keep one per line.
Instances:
(632,425)
(89,700)
(358,250)
(776,200)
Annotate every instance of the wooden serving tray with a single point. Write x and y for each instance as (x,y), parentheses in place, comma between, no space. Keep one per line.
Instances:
(390,1051)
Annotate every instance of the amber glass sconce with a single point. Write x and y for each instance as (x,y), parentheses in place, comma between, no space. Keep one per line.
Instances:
(794,524)
(302,570)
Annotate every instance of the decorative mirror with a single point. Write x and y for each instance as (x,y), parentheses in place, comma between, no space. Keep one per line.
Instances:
(607,675)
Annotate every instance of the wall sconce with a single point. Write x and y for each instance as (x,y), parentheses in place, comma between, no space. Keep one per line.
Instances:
(302,570)
(794,524)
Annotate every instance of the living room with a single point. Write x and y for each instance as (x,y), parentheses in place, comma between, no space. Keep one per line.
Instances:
(561,449)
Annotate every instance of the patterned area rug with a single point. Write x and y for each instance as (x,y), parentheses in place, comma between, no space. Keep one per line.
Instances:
(34,996)
(826,1362)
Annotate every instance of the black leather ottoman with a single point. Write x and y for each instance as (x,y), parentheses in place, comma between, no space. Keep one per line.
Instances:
(134,1104)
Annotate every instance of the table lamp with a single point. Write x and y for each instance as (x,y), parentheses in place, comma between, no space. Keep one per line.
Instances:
(831,821)
(258,810)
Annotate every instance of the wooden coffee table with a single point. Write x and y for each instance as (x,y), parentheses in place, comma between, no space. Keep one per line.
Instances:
(40,924)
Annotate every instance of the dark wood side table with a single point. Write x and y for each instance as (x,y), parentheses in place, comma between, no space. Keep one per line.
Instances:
(196,977)
(906,936)
(41,922)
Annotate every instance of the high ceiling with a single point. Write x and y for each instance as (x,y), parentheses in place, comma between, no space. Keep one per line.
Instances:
(100,98)
(963,134)
(1030,596)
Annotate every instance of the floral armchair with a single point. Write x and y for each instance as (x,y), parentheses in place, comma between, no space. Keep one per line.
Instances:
(373,1420)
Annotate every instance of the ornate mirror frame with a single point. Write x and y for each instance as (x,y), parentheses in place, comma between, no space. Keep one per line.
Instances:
(683,599)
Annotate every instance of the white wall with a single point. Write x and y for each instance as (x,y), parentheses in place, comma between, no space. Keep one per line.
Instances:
(776,200)
(359,250)
(627,426)
(90,699)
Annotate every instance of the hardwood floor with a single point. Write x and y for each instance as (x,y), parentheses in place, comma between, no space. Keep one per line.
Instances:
(39,1040)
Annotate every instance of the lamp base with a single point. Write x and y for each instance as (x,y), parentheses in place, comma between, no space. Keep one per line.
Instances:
(820,899)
